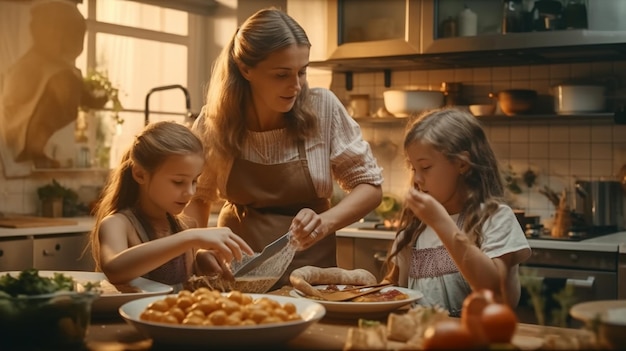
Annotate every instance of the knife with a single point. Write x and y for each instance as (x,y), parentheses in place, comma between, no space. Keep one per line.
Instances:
(268,251)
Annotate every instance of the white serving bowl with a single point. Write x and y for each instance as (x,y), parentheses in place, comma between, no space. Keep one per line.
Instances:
(482,110)
(403,103)
(260,336)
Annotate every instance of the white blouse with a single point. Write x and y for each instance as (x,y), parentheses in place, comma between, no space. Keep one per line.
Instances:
(337,152)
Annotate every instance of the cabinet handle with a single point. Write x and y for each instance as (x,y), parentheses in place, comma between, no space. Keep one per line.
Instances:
(57,247)
(380,256)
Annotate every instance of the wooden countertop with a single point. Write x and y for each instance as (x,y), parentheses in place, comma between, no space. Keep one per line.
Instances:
(327,334)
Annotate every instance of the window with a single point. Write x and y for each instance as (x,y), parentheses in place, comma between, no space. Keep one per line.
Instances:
(140,47)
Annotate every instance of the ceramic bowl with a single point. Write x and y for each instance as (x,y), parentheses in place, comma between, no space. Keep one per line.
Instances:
(482,110)
(404,103)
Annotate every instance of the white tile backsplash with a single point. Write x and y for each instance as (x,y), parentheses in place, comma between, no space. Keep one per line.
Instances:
(558,151)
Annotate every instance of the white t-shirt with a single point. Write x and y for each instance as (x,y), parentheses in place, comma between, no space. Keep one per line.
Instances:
(502,234)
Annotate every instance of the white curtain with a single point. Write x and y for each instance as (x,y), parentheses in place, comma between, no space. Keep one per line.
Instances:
(14,33)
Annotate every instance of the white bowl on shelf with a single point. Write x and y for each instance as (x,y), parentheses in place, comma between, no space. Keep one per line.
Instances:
(482,110)
(403,103)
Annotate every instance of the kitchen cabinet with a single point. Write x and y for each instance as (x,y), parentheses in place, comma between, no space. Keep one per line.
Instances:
(62,252)
(16,253)
(364,253)
(371,35)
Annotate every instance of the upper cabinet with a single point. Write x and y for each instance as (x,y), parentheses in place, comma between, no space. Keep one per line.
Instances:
(357,35)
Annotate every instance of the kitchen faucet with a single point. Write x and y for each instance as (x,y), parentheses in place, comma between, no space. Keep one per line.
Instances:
(189,117)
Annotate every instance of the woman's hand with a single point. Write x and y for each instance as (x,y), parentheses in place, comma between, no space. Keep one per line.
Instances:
(307,228)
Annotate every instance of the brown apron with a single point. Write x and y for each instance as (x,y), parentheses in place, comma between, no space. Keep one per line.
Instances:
(262,201)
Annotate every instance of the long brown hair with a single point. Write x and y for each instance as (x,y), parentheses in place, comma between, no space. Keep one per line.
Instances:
(266,31)
(151,148)
(452,132)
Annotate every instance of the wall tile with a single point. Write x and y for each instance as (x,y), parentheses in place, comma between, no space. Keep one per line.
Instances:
(558,133)
(602,151)
(538,133)
(539,72)
(499,134)
(580,168)
(538,150)
(366,79)
(519,150)
(501,74)
(437,76)
(579,151)
(559,151)
(482,74)
(559,72)
(520,73)
(502,150)
(463,75)
(400,79)
(521,133)
(419,77)
(601,69)
(601,168)
(601,133)
(581,70)
(579,133)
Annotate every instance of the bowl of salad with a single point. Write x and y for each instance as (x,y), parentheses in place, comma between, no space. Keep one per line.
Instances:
(43,312)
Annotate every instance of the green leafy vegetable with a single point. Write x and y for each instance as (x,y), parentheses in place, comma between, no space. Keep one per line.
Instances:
(30,283)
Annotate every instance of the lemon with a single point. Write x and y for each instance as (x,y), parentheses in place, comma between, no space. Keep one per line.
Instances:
(389,207)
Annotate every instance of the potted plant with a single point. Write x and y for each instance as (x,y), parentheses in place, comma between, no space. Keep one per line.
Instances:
(100,91)
(56,200)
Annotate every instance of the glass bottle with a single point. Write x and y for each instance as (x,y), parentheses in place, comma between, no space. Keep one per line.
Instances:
(575,15)
(512,16)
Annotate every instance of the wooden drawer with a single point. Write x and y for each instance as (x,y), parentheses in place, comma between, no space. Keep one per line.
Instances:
(62,252)
(16,253)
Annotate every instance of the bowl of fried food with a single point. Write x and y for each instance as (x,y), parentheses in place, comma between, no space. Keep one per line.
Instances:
(43,312)
(232,320)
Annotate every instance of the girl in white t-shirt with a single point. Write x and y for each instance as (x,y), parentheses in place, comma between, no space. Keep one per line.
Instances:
(457,234)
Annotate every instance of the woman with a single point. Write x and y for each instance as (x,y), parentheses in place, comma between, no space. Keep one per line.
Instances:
(274,146)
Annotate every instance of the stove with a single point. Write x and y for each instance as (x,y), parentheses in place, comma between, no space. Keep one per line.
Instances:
(378,226)
(574,233)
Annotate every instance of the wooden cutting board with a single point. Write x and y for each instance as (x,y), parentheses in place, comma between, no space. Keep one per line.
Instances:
(13,221)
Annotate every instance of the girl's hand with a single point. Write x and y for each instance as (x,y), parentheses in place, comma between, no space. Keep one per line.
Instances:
(426,208)
(225,244)
(307,228)
(208,263)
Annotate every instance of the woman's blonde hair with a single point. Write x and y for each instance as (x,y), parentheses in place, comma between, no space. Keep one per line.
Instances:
(453,132)
(151,148)
(229,93)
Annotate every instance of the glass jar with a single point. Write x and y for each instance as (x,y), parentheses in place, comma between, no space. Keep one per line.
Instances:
(575,14)
(513,16)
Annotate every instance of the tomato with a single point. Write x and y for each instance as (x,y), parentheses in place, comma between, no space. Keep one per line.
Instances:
(499,323)
(473,307)
(447,334)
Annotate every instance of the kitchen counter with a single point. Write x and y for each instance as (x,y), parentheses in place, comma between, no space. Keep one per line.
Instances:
(327,334)
(615,242)
(84,225)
